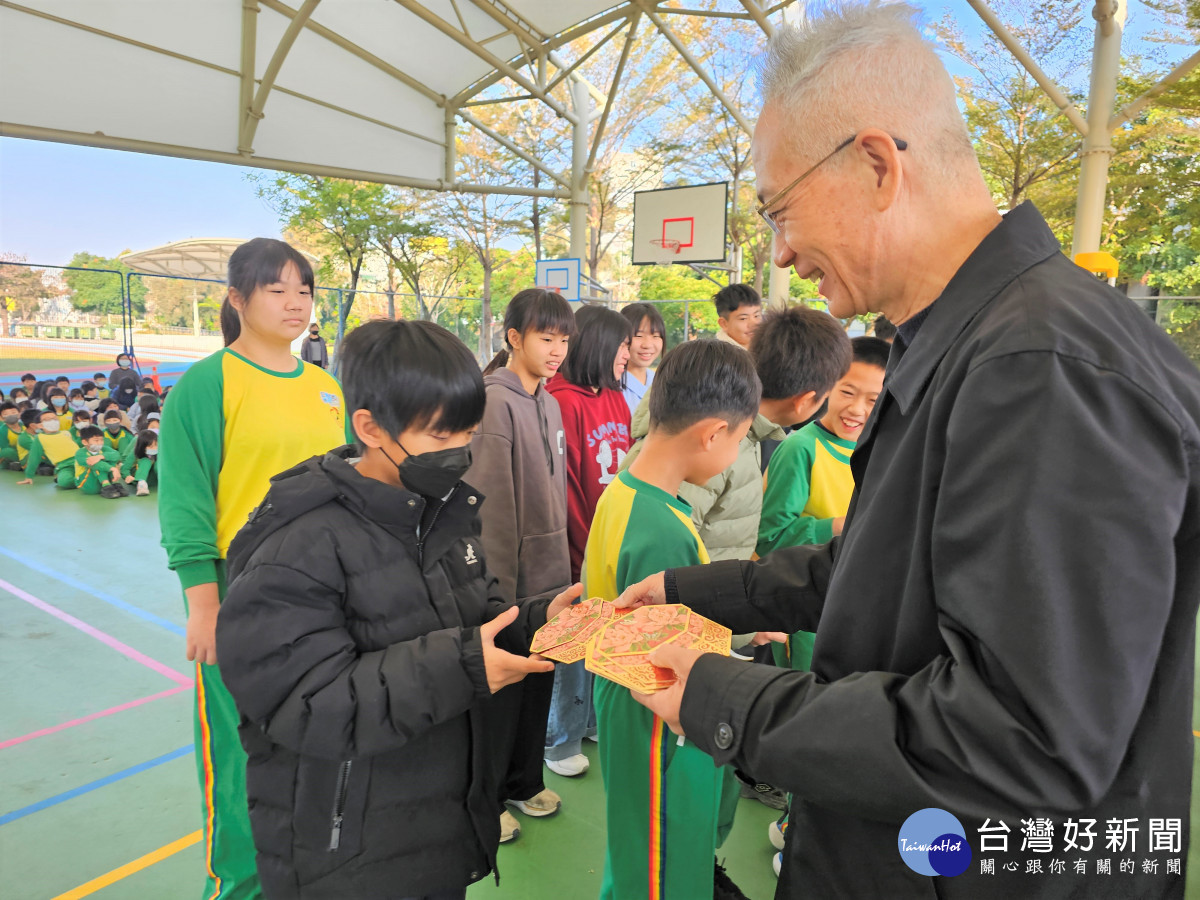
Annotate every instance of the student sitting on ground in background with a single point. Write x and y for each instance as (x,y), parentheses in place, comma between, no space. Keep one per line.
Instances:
(30,423)
(359,639)
(11,453)
(55,446)
(80,418)
(97,467)
(56,402)
(145,455)
(101,383)
(91,395)
(119,438)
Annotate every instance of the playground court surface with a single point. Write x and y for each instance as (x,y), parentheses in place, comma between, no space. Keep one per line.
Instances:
(99,797)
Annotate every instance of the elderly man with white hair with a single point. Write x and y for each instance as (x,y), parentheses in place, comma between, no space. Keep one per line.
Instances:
(1006,628)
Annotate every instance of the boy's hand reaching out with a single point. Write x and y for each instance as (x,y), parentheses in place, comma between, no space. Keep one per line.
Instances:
(563,600)
(504,668)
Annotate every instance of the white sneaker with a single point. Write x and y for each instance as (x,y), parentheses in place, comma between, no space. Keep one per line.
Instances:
(509,827)
(777,863)
(143,489)
(569,767)
(776,833)
(543,803)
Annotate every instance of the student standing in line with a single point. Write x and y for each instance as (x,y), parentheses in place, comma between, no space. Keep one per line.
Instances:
(237,418)
(649,333)
(520,467)
(364,638)
(596,425)
(739,313)
(663,795)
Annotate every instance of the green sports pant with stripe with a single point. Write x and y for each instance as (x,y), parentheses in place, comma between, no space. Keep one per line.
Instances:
(231,872)
(663,798)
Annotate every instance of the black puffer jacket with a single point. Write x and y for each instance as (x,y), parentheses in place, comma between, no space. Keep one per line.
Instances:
(352,649)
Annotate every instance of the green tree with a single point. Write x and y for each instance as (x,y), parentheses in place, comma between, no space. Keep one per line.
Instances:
(102,293)
(21,284)
(419,249)
(1026,148)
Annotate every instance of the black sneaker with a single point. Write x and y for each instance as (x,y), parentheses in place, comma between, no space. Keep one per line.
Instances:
(723,886)
(109,492)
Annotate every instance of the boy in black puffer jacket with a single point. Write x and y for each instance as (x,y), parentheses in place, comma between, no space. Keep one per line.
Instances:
(362,638)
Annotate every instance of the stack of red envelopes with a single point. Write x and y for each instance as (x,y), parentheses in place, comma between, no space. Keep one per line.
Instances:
(616,644)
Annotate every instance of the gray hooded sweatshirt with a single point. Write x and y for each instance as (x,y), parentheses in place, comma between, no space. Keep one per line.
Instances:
(520,467)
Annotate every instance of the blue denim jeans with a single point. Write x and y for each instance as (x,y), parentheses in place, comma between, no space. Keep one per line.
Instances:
(572,717)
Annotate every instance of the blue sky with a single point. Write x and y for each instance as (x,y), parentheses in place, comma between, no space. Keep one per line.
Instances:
(57,199)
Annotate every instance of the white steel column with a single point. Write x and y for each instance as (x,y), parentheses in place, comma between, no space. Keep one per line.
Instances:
(778,293)
(1097,149)
(580,100)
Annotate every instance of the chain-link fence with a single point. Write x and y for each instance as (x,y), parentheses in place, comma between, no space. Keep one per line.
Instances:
(1179,317)
(59,317)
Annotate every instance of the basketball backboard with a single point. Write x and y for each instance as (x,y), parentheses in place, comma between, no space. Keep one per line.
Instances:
(560,275)
(680,225)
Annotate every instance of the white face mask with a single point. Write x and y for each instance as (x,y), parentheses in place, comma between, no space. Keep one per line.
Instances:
(50,427)
(152,451)
(95,449)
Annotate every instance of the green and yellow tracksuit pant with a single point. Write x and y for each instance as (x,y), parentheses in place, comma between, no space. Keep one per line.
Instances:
(231,872)
(663,797)
(94,477)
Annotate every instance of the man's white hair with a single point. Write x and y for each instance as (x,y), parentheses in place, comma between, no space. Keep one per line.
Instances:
(846,66)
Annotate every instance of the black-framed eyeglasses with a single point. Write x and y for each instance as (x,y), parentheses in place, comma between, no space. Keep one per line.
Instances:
(769,218)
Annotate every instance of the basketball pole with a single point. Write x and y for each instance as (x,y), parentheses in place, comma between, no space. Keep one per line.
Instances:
(579,176)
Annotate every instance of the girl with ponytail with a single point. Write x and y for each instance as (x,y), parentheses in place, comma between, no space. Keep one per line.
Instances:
(520,466)
(237,418)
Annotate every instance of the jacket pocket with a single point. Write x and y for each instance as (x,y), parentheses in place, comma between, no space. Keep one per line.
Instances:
(543,563)
(331,800)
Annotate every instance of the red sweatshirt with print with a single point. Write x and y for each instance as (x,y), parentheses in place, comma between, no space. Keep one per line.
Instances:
(596,426)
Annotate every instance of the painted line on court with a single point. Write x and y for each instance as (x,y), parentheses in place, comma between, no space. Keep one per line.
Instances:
(11,742)
(88,589)
(109,640)
(142,862)
(93,785)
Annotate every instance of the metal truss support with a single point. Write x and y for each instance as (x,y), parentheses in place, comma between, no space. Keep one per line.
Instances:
(698,69)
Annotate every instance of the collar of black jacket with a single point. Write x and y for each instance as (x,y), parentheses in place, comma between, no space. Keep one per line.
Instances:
(388,505)
(1019,242)
(331,478)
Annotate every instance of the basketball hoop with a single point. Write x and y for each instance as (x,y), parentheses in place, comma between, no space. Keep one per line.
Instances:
(665,249)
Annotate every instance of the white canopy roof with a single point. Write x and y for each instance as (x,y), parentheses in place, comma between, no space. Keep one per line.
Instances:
(364,89)
(193,258)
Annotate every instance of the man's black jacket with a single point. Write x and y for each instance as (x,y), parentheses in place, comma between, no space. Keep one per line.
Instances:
(352,649)
(1006,628)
